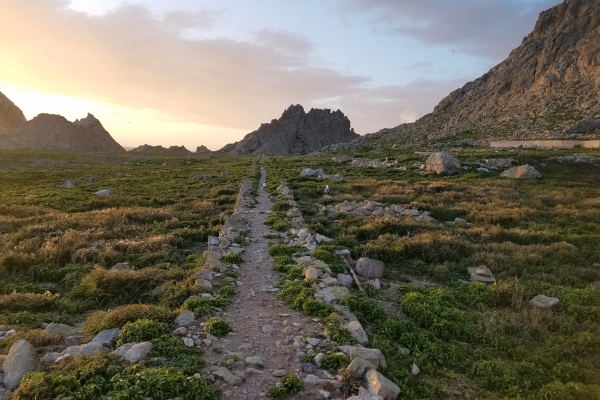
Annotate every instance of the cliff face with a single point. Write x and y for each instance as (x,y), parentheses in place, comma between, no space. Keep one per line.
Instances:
(54,132)
(146,148)
(547,85)
(11,116)
(296,132)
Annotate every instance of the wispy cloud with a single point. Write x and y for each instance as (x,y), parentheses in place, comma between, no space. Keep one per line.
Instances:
(485,28)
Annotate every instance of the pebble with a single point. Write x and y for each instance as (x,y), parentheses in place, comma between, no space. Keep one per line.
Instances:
(278,373)
(189,342)
(308,368)
(267,329)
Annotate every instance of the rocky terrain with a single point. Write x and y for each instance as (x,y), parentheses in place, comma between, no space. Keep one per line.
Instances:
(11,116)
(547,88)
(296,132)
(146,148)
(54,132)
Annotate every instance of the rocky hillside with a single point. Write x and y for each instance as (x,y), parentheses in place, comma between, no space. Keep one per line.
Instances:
(11,116)
(146,148)
(296,132)
(54,132)
(544,89)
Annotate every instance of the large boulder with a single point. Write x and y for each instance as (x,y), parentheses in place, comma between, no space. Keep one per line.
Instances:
(357,332)
(107,337)
(370,268)
(21,359)
(542,301)
(521,172)
(481,274)
(379,385)
(374,356)
(442,163)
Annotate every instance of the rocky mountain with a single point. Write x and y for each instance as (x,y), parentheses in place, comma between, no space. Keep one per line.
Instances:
(54,132)
(544,89)
(146,148)
(202,149)
(296,132)
(11,116)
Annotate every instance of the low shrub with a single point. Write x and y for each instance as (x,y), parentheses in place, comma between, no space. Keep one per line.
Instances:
(119,316)
(333,362)
(203,307)
(217,327)
(16,302)
(233,258)
(290,385)
(141,330)
(317,308)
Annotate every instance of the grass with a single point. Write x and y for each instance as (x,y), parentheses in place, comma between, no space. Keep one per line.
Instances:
(470,340)
(57,247)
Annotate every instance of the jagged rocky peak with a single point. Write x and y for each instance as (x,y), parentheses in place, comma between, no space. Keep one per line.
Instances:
(11,116)
(202,149)
(296,132)
(546,86)
(55,132)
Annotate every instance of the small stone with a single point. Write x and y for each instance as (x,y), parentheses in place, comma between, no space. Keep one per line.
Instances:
(414,369)
(332,294)
(250,371)
(254,360)
(370,268)
(227,376)
(278,373)
(207,342)
(181,331)
(61,329)
(379,385)
(312,380)
(267,329)
(358,367)
(319,359)
(357,332)
(308,368)
(184,318)
(542,301)
(107,337)
(189,342)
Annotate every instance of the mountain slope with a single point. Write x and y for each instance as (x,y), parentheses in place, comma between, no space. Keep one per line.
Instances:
(54,132)
(296,132)
(11,116)
(546,85)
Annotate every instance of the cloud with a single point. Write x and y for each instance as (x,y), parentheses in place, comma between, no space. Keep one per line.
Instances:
(488,29)
(133,58)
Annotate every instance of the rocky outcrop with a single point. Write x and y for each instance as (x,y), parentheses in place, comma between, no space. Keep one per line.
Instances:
(542,90)
(54,132)
(521,172)
(11,116)
(296,132)
(146,148)
(202,149)
(442,163)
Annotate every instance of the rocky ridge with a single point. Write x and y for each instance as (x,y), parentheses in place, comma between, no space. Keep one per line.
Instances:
(146,148)
(296,132)
(54,132)
(547,88)
(11,116)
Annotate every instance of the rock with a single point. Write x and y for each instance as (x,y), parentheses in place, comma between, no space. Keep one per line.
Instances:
(181,331)
(312,380)
(442,163)
(414,369)
(188,342)
(22,358)
(379,385)
(322,239)
(254,360)
(202,149)
(357,332)
(358,367)
(213,241)
(120,175)
(65,358)
(319,359)
(184,318)
(345,280)
(124,266)
(224,242)
(68,184)
(308,368)
(61,329)
(296,132)
(203,284)
(104,192)
(370,268)
(521,172)
(49,359)
(227,376)
(481,274)
(138,352)
(332,294)
(312,273)
(374,356)
(365,397)
(542,301)
(278,373)
(11,116)
(267,329)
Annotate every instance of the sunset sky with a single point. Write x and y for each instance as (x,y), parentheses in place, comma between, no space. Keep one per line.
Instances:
(208,72)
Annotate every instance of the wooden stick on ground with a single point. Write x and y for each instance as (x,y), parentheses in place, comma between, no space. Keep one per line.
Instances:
(354,276)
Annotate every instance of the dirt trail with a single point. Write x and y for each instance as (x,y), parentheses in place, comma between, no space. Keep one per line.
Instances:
(262,325)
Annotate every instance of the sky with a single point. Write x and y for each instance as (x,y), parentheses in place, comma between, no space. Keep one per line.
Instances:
(207,72)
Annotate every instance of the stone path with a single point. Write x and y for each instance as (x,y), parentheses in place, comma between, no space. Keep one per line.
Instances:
(262,325)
